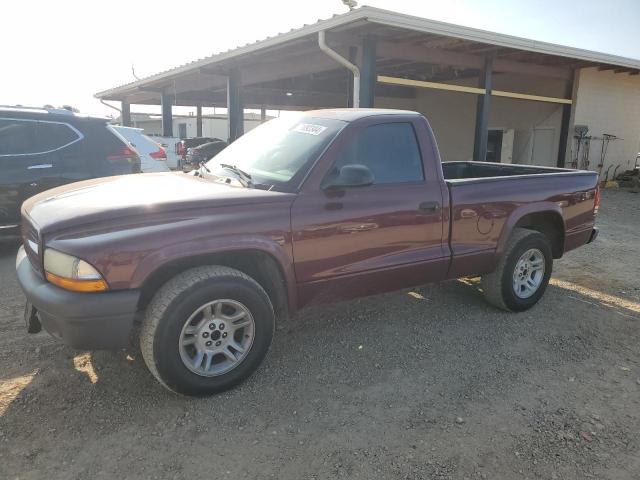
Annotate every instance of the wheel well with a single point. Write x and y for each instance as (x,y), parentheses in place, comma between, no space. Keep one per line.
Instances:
(549,224)
(260,266)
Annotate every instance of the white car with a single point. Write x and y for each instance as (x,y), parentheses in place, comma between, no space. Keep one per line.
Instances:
(170,146)
(153,157)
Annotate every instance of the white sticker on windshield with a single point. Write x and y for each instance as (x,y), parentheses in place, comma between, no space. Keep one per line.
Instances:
(310,129)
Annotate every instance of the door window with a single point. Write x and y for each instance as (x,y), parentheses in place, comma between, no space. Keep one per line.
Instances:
(389,150)
(17,137)
(52,136)
(24,137)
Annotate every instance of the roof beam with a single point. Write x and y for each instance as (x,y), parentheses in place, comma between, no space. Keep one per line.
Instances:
(442,42)
(292,66)
(415,53)
(150,89)
(474,90)
(475,48)
(579,64)
(434,85)
(332,85)
(535,69)
(269,98)
(604,68)
(421,54)
(210,71)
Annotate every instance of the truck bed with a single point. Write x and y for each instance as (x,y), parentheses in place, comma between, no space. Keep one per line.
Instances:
(454,171)
(483,196)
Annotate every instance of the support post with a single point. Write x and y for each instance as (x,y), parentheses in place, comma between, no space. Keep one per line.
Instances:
(368,76)
(235,109)
(482,112)
(125,114)
(198,120)
(353,58)
(167,116)
(263,115)
(566,124)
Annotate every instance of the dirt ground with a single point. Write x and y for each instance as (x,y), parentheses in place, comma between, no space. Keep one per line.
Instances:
(432,383)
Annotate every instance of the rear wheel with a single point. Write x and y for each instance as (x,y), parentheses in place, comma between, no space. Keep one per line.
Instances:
(522,274)
(206,330)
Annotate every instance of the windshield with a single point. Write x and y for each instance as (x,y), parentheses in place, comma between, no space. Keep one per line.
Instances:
(278,151)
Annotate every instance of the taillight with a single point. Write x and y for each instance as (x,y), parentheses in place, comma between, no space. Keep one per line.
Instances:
(124,153)
(596,201)
(159,155)
(128,155)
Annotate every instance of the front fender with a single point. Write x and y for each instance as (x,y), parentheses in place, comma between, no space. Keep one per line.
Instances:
(278,248)
(127,251)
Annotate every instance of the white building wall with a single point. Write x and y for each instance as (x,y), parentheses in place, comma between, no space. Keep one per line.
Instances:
(609,102)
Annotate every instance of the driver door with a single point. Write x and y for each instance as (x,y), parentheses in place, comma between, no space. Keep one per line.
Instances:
(354,241)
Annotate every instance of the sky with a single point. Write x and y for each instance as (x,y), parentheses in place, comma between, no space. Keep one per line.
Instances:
(63,52)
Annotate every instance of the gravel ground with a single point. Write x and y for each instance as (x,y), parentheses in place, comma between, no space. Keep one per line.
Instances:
(429,383)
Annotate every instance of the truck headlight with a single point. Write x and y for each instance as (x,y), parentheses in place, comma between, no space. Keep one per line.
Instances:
(72,273)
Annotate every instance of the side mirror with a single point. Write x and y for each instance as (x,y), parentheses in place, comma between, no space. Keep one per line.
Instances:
(354,175)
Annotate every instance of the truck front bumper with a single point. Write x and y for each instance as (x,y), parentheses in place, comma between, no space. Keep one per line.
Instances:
(88,321)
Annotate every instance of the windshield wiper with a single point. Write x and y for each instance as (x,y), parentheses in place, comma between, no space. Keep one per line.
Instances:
(203,166)
(243,175)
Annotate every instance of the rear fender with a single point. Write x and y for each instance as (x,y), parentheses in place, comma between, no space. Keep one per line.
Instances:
(518,214)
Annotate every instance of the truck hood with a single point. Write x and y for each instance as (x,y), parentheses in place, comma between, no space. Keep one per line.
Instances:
(113,198)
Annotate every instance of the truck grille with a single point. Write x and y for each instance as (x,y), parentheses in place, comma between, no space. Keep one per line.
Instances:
(31,242)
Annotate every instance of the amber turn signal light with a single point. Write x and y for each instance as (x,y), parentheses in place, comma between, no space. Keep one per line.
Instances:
(77,285)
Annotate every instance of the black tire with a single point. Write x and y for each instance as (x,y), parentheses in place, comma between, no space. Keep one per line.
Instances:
(498,285)
(172,306)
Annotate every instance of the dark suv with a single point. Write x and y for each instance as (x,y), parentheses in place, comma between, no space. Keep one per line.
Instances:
(202,153)
(41,149)
(186,144)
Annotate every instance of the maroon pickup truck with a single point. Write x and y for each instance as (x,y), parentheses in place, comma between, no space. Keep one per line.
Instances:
(318,207)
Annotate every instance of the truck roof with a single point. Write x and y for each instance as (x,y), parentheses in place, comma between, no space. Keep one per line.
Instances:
(351,114)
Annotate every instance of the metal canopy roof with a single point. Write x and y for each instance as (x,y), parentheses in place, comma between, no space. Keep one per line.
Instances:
(407,45)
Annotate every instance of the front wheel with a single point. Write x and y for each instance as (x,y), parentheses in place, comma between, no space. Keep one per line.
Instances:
(206,330)
(523,272)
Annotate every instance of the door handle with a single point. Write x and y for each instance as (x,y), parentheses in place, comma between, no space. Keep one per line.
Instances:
(429,206)
(39,166)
